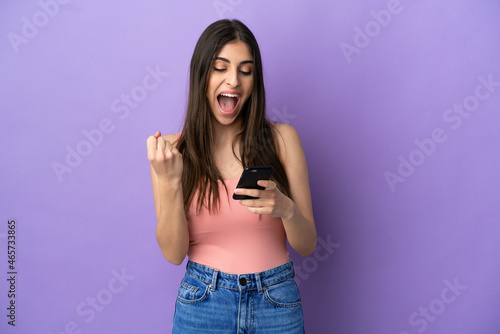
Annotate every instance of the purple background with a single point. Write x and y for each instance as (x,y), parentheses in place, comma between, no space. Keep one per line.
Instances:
(393,251)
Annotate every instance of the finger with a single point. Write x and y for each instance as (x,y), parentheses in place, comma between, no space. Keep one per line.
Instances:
(168,145)
(251,203)
(158,134)
(161,145)
(267,184)
(258,210)
(151,144)
(248,192)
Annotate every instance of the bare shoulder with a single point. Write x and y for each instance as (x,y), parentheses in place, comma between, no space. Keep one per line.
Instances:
(286,130)
(288,140)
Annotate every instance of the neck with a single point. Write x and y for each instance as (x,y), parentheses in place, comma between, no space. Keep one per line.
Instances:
(224,134)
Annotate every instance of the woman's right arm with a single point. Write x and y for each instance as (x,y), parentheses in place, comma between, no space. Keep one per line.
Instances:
(166,171)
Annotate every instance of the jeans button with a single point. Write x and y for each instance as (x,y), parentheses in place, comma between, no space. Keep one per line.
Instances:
(243,281)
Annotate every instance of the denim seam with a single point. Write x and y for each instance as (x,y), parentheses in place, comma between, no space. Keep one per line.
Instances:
(278,304)
(222,286)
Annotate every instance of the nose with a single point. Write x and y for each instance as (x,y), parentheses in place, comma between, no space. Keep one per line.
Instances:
(232,79)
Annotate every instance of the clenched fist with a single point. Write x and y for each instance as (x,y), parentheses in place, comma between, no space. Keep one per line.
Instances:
(165,159)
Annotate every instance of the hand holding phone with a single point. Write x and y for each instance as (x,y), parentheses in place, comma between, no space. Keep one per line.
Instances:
(249,178)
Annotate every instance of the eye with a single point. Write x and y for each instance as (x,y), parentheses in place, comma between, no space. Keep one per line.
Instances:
(219,69)
(245,72)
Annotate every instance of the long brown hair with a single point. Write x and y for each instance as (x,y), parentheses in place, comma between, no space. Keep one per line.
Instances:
(257,141)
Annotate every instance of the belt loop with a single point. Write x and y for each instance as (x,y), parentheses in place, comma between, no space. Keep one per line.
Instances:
(259,283)
(214,280)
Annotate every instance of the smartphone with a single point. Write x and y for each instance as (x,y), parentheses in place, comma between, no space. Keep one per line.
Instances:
(249,178)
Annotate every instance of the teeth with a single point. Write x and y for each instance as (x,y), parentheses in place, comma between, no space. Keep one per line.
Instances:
(229,95)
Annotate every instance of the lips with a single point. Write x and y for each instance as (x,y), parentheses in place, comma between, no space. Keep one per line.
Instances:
(228,102)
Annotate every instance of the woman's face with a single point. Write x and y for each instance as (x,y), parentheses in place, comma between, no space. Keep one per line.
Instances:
(230,82)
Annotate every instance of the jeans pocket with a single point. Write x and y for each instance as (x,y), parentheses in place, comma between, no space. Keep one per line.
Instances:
(192,291)
(283,294)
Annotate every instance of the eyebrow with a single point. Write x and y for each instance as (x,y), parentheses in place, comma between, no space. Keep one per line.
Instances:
(227,61)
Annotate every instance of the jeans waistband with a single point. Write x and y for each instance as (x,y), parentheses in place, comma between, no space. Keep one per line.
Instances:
(259,281)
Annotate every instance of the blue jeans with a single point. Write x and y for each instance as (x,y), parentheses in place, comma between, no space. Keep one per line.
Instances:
(211,301)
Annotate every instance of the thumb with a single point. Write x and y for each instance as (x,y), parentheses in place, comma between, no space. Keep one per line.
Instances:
(157,134)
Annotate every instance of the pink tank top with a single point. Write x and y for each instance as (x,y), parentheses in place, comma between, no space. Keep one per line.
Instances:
(234,240)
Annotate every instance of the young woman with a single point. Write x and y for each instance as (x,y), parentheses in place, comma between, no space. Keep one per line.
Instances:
(239,277)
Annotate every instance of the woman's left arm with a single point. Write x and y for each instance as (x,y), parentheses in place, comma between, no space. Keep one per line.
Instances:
(295,212)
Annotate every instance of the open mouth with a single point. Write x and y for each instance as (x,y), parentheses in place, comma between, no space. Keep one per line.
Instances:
(228,102)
